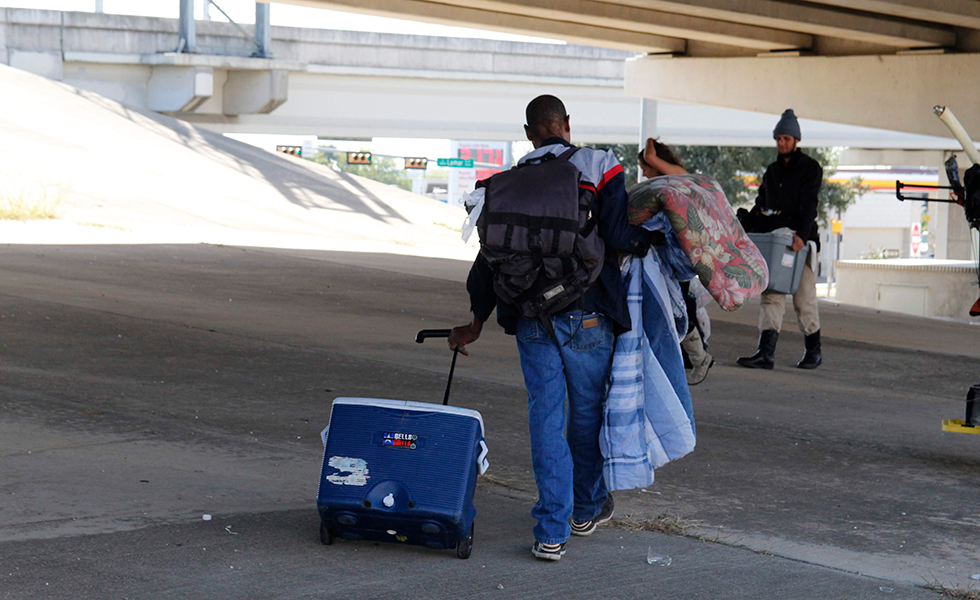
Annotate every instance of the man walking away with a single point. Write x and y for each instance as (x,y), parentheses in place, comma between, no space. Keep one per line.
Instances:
(788,194)
(570,351)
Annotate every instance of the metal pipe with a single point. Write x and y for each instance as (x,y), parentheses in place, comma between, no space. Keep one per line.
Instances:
(949,119)
(263,31)
(187,34)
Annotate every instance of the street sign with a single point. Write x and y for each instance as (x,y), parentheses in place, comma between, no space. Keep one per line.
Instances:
(462,163)
(916,238)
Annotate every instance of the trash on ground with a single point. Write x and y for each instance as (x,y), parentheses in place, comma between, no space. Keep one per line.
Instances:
(654,558)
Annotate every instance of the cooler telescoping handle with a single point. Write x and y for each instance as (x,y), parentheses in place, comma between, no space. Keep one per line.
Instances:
(440,333)
(433,333)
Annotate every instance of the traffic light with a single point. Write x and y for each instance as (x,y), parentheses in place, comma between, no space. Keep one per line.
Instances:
(294,150)
(416,163)
(358,158)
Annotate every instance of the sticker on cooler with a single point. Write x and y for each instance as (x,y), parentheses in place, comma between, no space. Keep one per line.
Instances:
(400,440)
(788,259)
(355,468)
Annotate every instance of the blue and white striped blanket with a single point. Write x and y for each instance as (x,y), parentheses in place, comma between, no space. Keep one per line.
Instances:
(648,418)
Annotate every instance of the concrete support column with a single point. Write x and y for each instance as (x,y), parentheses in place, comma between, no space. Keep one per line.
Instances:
(949,233)
(3,37)
(178,88)
(263,31)
(187,34)
(254,92)
(648,124)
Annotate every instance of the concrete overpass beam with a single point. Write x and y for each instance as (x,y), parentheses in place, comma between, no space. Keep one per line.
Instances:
(892,156)
(179,88)
(633,18)
(254,92)
(895,92)
(959,13)
(30,40)
(465,16)
(815,20)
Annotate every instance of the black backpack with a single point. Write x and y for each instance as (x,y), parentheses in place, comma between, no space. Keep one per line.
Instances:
(539,234)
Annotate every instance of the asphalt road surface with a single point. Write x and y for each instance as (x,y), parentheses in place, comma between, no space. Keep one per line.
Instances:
(144,386)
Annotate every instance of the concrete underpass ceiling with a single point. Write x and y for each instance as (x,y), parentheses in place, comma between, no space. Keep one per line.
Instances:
(872,63)
(705,27)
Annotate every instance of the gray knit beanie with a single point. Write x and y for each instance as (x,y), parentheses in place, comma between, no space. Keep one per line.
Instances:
(788,125)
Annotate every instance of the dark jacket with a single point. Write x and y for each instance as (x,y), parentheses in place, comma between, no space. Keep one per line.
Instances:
(790,189)
(608,294)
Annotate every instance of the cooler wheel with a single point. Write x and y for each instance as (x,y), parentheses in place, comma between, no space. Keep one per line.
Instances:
(326,535)
(464,547)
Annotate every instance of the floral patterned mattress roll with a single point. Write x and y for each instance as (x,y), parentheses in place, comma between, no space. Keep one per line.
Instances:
(723,256)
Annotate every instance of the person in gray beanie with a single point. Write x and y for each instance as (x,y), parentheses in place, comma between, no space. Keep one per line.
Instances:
(788,194)
(788,125)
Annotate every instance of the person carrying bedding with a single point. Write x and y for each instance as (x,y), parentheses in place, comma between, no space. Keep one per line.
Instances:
(567,353)
(657,160)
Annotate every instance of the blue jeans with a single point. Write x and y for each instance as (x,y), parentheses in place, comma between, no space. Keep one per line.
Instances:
(568,472)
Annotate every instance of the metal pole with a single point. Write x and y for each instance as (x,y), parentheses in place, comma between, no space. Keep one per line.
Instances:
(206,14)
(648,126)
(187,34)
(263,31)
(98,6)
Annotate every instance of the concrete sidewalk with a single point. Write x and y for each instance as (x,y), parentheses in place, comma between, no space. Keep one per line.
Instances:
(276,554)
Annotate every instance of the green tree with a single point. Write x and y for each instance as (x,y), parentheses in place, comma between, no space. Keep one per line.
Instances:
(739,171)
(835,197)
(626,155)
(382,168)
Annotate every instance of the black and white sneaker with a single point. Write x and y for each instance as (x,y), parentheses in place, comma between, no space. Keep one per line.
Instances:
(585,528)
(548,551)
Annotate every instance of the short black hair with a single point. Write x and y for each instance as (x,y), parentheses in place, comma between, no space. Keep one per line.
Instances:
(544,113)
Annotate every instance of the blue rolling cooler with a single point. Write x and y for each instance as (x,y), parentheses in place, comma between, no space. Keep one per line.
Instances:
(402,472)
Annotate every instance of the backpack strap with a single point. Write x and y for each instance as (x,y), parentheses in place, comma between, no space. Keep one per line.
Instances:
(566,155)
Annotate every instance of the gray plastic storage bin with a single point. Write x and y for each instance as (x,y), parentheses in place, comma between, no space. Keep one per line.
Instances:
(785,266)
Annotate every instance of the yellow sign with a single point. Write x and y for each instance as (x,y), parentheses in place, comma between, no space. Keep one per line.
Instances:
(835,226)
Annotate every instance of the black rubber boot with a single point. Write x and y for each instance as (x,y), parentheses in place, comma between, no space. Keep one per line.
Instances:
(811,358)
(765,357)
